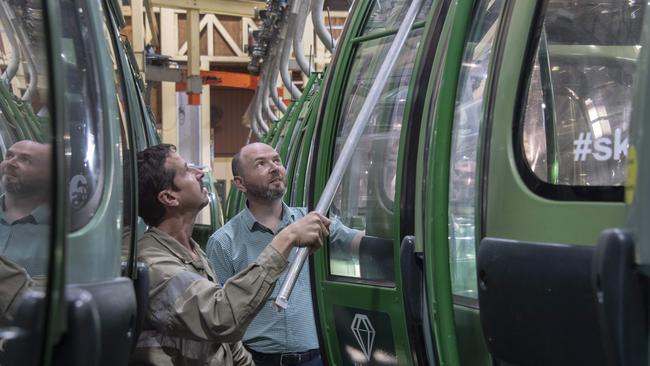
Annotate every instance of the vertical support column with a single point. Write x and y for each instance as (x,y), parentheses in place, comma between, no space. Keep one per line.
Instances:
(137,21)
(206,157)
(169,46)
(189,123)
(205,151)
(193,57)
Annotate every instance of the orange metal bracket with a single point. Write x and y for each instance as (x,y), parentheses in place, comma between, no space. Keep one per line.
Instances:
(224,78)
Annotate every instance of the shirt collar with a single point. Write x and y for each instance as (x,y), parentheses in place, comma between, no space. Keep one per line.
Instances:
(251,224)
(174,246)
(40,215)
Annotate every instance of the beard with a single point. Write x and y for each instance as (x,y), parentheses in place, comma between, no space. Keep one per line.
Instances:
(14,186)
(265,191)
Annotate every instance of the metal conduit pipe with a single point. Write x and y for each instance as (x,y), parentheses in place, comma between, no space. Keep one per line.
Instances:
(297,41)
(12,68)
(33,77)
(274,92)
(341,165)
(259,95)
(266,106)
(263,93)
(254,127)
(319,25)
(260,109)
(267,109)
(19,33)
(284,63)
(252,117)
(31,64)
(264,128)
(254,122)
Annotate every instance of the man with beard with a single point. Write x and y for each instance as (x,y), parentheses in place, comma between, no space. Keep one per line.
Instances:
(274,338)
(191,319)
(24,206)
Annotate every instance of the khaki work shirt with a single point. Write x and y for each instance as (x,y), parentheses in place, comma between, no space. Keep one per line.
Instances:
(14,281)
(191,319)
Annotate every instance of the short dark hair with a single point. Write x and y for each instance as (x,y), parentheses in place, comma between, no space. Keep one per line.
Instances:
(153,178)
(236,164)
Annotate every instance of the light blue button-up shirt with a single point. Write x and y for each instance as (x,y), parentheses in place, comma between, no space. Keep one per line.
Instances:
(26,241)
(236,244)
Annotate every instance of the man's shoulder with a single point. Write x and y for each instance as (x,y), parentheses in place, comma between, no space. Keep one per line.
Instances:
(152,251)
(226,233)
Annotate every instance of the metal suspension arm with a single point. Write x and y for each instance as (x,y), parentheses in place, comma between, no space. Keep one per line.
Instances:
(297,41)
(284,66)
(274,92)
(12,68)
(319,25)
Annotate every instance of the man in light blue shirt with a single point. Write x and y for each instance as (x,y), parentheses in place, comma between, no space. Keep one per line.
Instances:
(24,206)
(274,338)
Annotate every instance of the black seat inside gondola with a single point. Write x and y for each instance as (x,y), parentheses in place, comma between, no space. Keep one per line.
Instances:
(376,259)
(552,304)
(537,304)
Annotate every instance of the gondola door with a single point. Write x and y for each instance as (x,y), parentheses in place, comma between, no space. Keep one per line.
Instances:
(360,289)
(622,259)
(555,161)
(448,193)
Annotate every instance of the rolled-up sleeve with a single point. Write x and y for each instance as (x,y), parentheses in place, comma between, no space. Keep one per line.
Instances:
(341,238)
(185,304)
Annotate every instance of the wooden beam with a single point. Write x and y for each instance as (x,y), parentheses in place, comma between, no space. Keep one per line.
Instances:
(241,8)
(137,29)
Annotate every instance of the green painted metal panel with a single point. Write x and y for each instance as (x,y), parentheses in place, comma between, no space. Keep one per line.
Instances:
(299,173)
(231,202)
(335,294)
(56,306)
(472,349)
(638,178)
(327,296)
(355,297)
(296,161)
(279,128)
(433,174)
(294,120)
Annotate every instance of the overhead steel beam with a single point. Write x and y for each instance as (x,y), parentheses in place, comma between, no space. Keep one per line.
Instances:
(241,8)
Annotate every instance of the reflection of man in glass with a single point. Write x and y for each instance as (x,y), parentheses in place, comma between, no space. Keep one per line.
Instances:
(273,338)
(24,206)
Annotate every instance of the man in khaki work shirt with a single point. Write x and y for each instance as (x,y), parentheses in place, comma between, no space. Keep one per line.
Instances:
(192,320)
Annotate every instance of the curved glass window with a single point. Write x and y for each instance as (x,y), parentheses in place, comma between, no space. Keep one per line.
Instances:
(83,114)
(389,14)
(577,111)
(25,160)
(466,138)
(94,99)
(365,198)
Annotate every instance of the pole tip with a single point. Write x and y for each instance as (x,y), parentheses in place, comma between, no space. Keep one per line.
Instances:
(281,303)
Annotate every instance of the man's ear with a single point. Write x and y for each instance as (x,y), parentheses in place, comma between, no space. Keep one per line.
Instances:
(239,183)
(168,198)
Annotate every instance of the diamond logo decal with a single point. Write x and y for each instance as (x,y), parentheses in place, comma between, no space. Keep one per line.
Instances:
(364,333)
